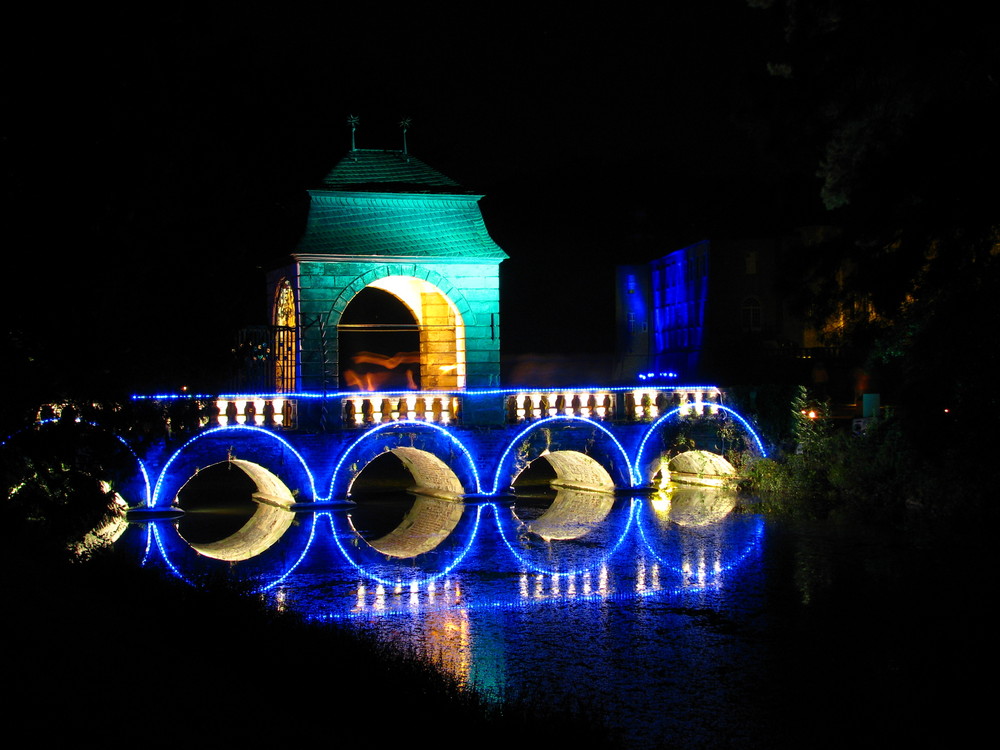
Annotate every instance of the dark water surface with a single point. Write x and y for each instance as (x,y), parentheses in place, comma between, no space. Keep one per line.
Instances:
(679,622)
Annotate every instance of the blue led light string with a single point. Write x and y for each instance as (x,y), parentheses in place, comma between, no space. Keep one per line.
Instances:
(417,393)
(233,428)
(534,568)
(401,424)
(535,425)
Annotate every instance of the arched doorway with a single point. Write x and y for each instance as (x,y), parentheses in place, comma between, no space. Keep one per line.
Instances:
(401,333)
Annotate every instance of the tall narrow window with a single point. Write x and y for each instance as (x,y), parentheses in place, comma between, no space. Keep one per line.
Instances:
(285,323)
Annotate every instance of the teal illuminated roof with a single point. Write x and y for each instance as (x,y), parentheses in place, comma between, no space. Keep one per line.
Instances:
(391,204)
(387,171)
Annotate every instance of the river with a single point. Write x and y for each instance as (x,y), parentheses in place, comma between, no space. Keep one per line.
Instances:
(678,619)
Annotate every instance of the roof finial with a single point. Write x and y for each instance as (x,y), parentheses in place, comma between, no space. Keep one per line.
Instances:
(352,120)
(405,125)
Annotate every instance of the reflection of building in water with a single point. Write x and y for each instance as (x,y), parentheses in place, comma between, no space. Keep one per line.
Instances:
(395,282)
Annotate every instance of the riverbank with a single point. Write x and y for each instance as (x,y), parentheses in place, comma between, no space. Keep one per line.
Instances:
(107,651)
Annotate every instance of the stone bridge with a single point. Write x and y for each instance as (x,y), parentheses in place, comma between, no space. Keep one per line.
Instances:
(595,439)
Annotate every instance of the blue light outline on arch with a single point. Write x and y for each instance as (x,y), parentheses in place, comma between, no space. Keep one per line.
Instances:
(407,423)
(422,581)
(674,412)
(96,426)
(548,571)
(233,428)
(535,425)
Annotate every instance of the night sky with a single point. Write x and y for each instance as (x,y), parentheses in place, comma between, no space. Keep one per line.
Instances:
(154,165)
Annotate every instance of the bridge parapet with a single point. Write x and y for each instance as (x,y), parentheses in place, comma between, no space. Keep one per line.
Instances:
(360,410)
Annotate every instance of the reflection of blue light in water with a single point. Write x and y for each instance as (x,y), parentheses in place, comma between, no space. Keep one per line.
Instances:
(376,593)
(719,570)
(155,533)
(534,568)
(370,574)
(305,551)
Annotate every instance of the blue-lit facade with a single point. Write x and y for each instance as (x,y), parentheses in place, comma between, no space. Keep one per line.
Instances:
(662,308)
(713,310)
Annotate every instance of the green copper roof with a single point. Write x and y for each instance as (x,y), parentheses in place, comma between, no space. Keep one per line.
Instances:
(387,171)
(392,204)
(353,223)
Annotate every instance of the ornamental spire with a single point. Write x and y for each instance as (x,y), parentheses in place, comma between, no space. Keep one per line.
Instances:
(405,125)
(352,121)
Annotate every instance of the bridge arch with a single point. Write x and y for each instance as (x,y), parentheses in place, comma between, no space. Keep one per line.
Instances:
(583,453)
(650,457)
(437,460)
(440,313)
(267,450)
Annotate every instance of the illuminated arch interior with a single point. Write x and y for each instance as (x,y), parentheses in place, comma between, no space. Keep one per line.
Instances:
(442,330)
(696,467)
(578,470)
(269,521)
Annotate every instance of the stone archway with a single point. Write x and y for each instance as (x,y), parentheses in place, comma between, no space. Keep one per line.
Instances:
(439,330)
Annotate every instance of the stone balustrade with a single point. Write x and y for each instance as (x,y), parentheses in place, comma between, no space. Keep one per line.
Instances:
(275,413)
(368,409)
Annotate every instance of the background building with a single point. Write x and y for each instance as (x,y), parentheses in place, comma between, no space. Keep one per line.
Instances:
(716,310)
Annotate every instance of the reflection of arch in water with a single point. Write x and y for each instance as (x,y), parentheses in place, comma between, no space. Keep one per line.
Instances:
(404,571)
(572,560)
(439,315)
(573,514)
(692,506)
(269,522)
(647,466)
(438,461)
(582,444)
(426,525)
(696,554)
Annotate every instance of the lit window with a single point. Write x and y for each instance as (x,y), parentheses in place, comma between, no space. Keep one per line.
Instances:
(284,338)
